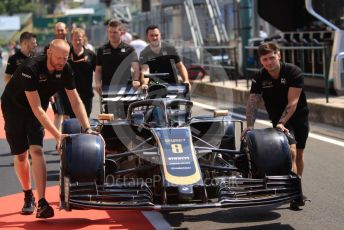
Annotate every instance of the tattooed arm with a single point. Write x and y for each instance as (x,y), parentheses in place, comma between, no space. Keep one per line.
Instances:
(251,109)
(293,98)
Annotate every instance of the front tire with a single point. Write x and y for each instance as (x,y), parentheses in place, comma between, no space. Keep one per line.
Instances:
(268,152)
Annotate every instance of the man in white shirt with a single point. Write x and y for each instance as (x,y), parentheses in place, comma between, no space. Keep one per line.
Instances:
(138,44)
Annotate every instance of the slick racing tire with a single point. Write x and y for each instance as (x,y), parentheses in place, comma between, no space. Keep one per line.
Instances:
(83,157)
(82,160)
(268,152)
(71,126)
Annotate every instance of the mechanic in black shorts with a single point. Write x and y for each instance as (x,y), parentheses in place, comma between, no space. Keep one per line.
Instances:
(24,103)
(160,57)
(28,45)
(83,63)
(280,85)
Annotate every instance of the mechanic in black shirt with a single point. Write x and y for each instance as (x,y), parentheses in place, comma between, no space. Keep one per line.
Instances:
(28,45)
(59,100)
(24,103)
(280,85)
(115,60)
(83,63)
(160,57)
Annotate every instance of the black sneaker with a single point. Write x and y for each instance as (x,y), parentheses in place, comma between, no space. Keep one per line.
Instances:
(299,202)
(44,209)
(29,205)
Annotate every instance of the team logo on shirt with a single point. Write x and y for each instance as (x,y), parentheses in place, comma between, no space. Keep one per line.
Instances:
(58,75)
(123,50)
(26,75)
(106,51)
(18,62)
(283,81)
(267,84)
(164,53)
(42,78)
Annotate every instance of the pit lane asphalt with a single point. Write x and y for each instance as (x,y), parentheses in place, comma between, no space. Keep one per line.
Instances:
(322,183)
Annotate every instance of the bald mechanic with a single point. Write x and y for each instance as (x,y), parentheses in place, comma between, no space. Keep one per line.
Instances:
(24,104)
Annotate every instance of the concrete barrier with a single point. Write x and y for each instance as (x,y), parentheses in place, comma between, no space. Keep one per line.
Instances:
(327,113)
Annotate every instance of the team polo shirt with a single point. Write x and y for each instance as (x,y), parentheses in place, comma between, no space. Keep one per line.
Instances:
(33,75)
(14,61)
(163,62)
(275,91)
(83,67)
(116,63)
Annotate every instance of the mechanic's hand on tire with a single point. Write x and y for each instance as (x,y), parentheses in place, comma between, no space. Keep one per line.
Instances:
(281,127)
(59,143)
(91,131)
(243,134)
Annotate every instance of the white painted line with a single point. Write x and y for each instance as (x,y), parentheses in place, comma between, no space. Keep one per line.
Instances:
(326,139)
(264,122)
(156,219)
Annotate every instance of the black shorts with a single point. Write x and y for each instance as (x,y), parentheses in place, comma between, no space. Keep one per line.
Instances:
(22,130)
(299,128)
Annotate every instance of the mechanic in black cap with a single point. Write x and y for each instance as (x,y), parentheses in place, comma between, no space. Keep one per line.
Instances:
(28,45)
(280,85)
(115,59)
(24,103)
(160,57)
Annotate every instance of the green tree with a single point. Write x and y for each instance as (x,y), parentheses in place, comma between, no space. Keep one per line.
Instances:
(25,6)
(2,8)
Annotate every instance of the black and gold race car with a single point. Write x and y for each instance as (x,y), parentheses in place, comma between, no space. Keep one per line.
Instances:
(161,158)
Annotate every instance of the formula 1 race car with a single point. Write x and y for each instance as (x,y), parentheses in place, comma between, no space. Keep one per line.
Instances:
(162,158)
(116,98)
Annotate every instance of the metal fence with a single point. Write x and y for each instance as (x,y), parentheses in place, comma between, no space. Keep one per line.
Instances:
(220,62)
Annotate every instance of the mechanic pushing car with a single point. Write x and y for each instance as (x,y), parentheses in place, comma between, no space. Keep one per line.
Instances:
(115,59)
(280,85)
(160,57)
(24,104)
